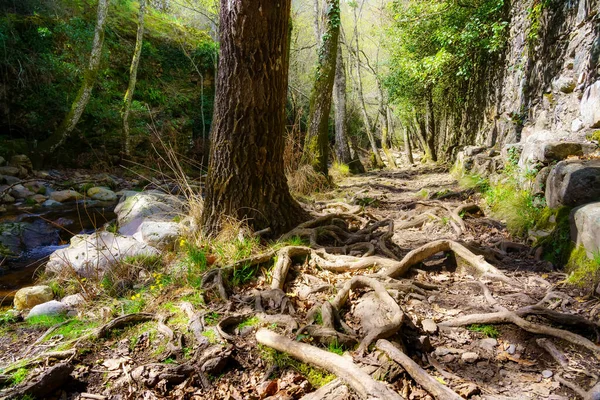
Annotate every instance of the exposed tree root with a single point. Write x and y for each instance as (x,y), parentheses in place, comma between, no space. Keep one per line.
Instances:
(429,383)
(364,385)
(503,316)
(41,386)
(592,394)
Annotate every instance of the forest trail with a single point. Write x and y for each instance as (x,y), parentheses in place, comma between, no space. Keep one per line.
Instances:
(515,332)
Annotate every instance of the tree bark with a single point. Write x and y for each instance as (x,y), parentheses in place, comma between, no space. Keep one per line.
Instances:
(342,148)
(135,61)
(407,146)
(246,177)
(316,145)
(431,128)
(83,96)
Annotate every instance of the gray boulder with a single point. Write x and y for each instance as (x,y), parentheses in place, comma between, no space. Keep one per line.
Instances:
(50,308)
(51,203)
(93,255)
(590,106)
(153,205)
(573,183)
(20,192)
(546,152)
(74,300)
(159,234)
(585,227)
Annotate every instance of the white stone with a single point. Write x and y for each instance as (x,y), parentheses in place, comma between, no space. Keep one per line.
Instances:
(469,357)
(585,227)
(93,255)
(576,125)
(133,211)
(159,234)
(429,326)
(590,106)
(49,308)
(73,301)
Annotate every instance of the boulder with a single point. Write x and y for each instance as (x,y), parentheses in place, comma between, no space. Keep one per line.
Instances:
(576,125)
(6,198)
(546,152)
(50,308)
(29,297)
(20,192)
(153,205)
(50,203)
(585,227)
(590,106)
(38,198)
(539,184)
(101,194)
(65,195)
(17,238)
(10,171)
(9,180)
(573,183)
(93,255)
(160,234)
(21,161)
(473,150)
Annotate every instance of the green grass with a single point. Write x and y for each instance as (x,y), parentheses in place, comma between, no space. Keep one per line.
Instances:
(486,330)
(74,328)
(517,207)
(243,274)
(7,318)
(45,321)
(212,318)
(19,376)
(335,347)
(211,335)
(249,322)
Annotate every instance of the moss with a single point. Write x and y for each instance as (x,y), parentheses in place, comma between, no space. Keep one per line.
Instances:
(315,376)
(557,246)
(584,271)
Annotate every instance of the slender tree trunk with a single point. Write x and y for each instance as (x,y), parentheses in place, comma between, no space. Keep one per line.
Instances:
(385,127)
(361,99)
(421,133)
(245,178)
(431,133)
(83,96)
(316,145)
(135,61)
(407,146)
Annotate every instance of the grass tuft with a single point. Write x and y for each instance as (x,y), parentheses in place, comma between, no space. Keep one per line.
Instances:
(487,330)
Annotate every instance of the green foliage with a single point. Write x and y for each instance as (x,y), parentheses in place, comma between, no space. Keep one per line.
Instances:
(335,347)
(74,328)
(534,15)
(210,335)
(212,318)
(558,245)
(45,321)
(7,318)
(19,376)
(195,262)
(249,322)
(584,271)
(516,206)
(486,330)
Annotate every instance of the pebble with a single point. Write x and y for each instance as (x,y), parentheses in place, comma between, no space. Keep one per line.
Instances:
(470,357)
(429,326)
(512,349)
(488,344)
(547,373)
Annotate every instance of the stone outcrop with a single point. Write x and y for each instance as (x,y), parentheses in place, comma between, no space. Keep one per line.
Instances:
(573,183)
(91,256)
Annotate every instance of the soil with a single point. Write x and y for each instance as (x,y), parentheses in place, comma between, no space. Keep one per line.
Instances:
(508,362)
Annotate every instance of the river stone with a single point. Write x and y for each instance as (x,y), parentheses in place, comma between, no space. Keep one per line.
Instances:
(17,238)
(93,255)
(102,194)
(73,301)
(133,211)
(65,195)
(29,297)
(7,198)
(159,234)
(49,308)
(573,183)
(38,198)
(20,192)
(585,227)
(10,171)
(590,106)
(51,203)
(21,161)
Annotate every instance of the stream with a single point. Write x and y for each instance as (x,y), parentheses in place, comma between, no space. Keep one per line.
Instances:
(32,234)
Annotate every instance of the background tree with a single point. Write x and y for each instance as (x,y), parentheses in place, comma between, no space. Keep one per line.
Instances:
(83,96)
(135,61)
(246,179)
(316,145)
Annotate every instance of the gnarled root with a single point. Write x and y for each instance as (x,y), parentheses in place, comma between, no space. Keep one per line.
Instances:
(346,370)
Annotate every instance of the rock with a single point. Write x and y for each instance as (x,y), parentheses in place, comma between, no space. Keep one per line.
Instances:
(49,308)
(547,373)
(469,357)
(153,205)
(546,152)
(471,151)
(539,184)
(38,198)
(21,161)
(162,235)
(102,194)
(573,183)
(17,238)
(9,180)
(7,198)
(429,326)
(488,344)
(51,203)
(512,349)
(65,195)
(93,255)
(124,194)
(20,192)
(585,227)
(29,297)
(10,171)
(563,84)
(73,301)
(590,106)
(576,125)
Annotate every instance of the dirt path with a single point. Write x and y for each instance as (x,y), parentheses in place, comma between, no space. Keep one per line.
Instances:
(450,313)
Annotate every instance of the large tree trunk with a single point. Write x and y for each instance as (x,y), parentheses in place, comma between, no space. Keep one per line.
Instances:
(135,61)
(407,146)
(83,96)
(245,175)
(431,133)
(316,145)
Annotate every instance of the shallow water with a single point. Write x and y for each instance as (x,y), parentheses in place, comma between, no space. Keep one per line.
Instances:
(66,221)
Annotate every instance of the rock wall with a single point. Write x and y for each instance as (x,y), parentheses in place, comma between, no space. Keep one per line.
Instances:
(546,86)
